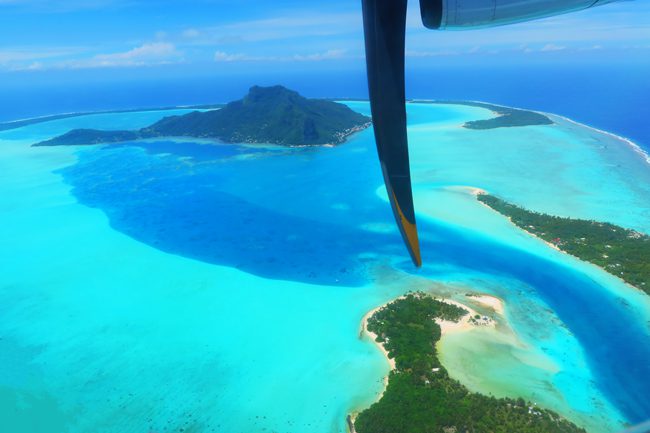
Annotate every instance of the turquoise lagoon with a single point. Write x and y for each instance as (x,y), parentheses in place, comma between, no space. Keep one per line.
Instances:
(191,286)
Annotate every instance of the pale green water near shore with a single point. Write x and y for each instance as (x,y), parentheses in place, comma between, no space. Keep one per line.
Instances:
(577,172)
(100,332)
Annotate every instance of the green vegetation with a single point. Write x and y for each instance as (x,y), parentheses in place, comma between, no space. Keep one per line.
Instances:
(422,398)
(92,136)
(273,115)
(506,117)
(622,252)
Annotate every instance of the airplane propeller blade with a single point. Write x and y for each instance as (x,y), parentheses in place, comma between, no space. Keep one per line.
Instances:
(384,25)
(385,30)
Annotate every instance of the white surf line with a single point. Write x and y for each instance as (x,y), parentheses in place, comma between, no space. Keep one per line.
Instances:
(90,113)
(638,149)
(462,102)
(27,119)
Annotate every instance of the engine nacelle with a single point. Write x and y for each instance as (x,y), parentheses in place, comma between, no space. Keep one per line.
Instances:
(467,14)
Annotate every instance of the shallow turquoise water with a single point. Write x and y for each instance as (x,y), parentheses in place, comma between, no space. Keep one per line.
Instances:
(168,285)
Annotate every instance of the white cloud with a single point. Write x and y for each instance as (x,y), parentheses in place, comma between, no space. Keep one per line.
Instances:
(299,26)
(34,58)
(158,53)
(327,55)
(438,53)
(63,6)
(222,56)
(552,47)
(191,33)
(24,54)
(35,66)
(146,52)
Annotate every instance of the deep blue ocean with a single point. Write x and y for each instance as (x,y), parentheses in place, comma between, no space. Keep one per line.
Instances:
(609,96)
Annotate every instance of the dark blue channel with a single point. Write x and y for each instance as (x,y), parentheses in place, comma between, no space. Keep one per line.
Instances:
(297,214)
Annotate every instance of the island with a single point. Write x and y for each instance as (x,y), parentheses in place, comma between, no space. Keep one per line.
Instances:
(622,252)
(421,397)
(269,115)
(506,117)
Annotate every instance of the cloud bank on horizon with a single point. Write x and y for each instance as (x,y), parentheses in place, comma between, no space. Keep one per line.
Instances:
(87,34)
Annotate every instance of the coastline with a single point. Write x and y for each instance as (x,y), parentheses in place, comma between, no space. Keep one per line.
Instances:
(637,148)
(446,328)
(478,191)
(468,322)
(364,332)
(490,301)
(18,123)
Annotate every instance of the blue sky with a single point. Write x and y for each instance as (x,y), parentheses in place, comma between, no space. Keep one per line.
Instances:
(119,35)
